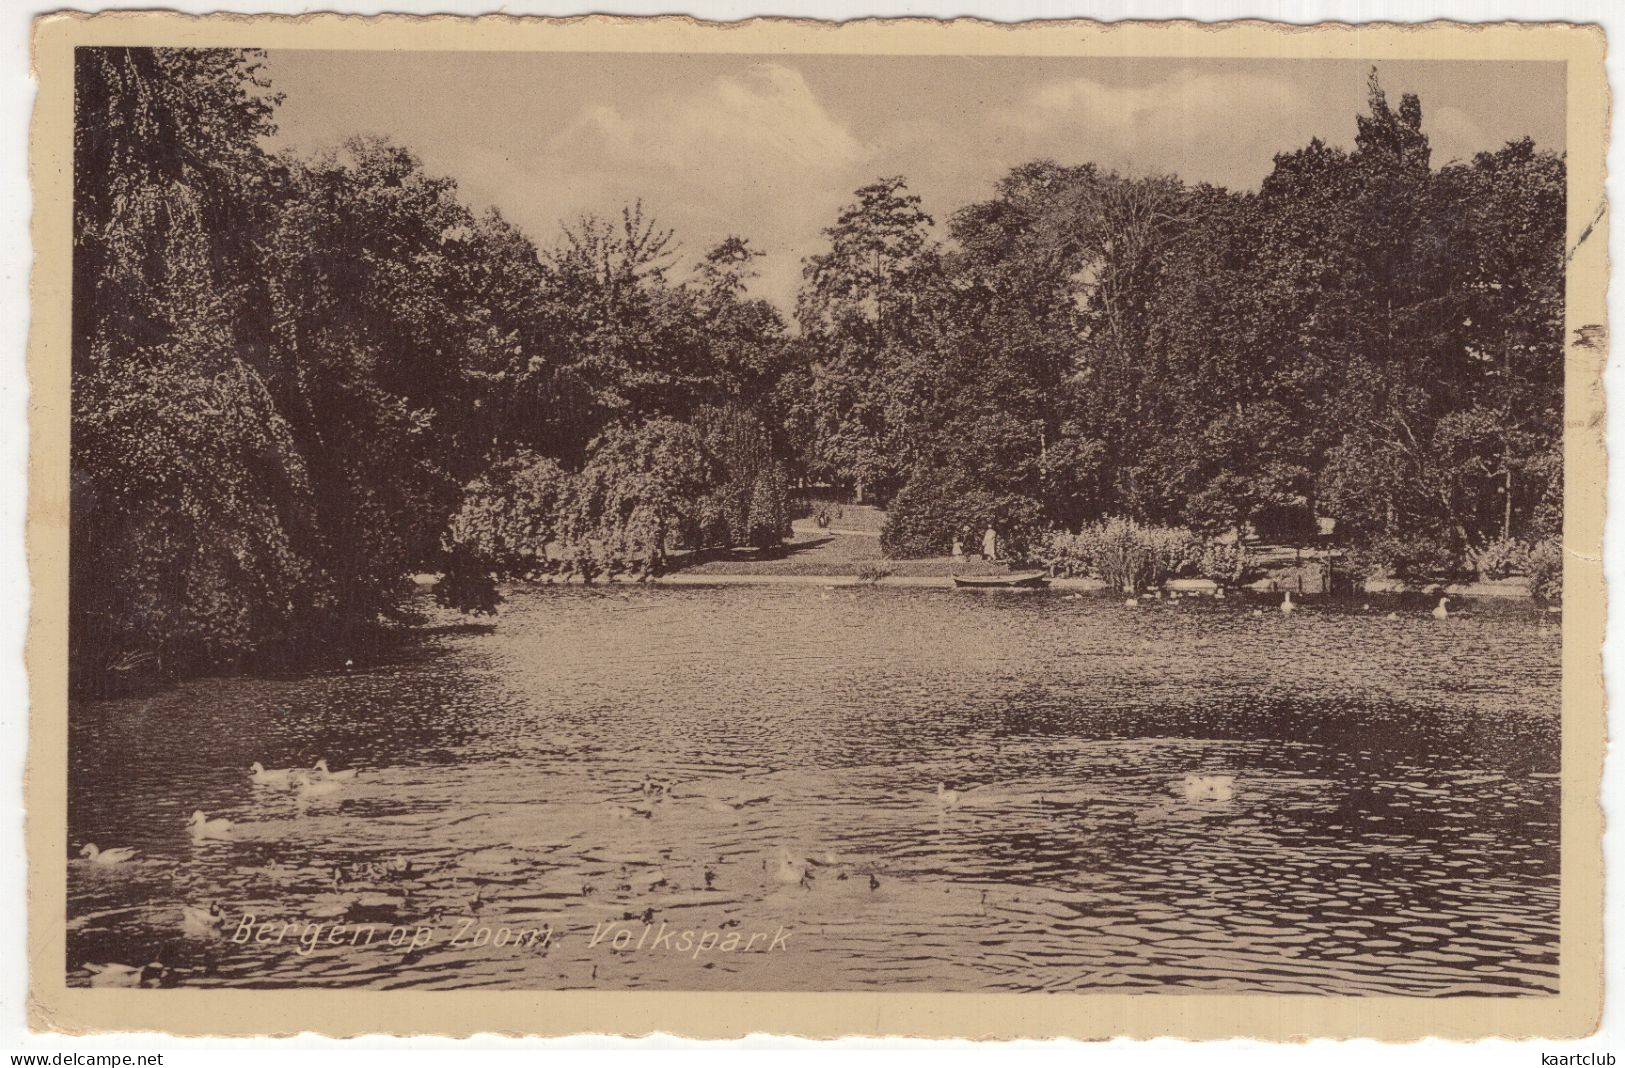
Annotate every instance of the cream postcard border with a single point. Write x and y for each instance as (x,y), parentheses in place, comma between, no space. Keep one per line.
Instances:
(1573,1012)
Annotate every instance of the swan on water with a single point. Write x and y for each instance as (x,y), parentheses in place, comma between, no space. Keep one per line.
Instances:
(949,798)
(201,826)
(124,975)
(117,855)
(1132,602)
(318,787)
(264,776)
(321,771)
(1287,607)
(330,905)
(791,868)
(1440,611)
(202,921)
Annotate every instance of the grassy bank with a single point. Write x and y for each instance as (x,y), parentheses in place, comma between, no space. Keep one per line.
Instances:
(814,552)
(821,554)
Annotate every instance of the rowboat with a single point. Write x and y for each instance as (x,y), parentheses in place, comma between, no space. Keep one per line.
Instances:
(1025,580)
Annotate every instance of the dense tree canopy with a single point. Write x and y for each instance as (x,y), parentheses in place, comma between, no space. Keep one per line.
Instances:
(1363,339)
(299,380)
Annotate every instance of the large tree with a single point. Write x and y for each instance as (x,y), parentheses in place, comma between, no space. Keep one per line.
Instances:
(191,503)
(862,313)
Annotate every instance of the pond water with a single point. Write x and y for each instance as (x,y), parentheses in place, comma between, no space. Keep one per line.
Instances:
(1391,827)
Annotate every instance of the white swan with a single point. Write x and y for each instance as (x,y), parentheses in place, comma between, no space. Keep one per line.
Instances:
(106,856)
(791,869)
(1132,602)
(201,826)
(1440,611)
(202,921)
(327,906)
(318,787)
(321,771)
(105,975)
(1287,607)
(264,776)
(949,798)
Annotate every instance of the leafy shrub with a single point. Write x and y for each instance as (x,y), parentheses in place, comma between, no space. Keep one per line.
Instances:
(467,585)
(1130,556)
(935,506)
(1062,553)
(872,573)
(508,517)
(1221,562)
(768,519)
(1500,558)
(1414,558)
(1544,564)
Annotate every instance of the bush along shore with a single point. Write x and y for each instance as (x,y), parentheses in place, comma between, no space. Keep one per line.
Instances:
(1117,556)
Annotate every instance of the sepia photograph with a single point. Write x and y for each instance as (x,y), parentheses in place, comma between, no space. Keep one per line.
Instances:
(804,520)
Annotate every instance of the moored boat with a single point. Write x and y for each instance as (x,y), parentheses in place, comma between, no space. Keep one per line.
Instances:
(1024,580)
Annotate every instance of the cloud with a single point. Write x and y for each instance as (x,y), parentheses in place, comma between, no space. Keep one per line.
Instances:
(1454,134)
(1222,127)
(754,153)
(765,122)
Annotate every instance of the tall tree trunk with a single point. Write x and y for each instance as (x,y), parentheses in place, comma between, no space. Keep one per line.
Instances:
(1506,441)
(1506,516)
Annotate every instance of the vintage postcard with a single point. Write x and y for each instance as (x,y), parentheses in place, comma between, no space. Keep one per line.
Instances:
(898,528)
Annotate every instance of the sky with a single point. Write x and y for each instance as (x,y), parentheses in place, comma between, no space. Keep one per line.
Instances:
(771,147)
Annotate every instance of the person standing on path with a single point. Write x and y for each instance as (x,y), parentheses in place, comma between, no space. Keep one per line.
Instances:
(990,544)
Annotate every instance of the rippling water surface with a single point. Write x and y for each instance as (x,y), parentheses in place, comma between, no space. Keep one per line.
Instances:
(1392,829)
